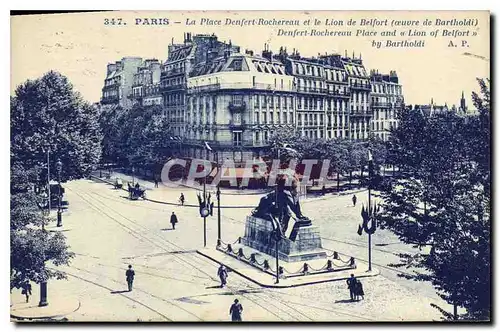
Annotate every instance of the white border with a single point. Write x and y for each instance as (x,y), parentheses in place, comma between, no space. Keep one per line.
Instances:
(492,5)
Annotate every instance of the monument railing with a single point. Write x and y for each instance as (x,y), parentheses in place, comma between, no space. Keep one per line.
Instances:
(266,266)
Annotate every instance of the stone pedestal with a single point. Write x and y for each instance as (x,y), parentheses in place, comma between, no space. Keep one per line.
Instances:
(307,244)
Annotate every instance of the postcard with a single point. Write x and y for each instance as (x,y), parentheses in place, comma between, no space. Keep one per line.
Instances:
(250,166)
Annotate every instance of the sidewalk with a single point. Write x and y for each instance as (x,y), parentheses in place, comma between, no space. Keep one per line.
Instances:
(158,195)
(155,194)
(60,305)
(149,184)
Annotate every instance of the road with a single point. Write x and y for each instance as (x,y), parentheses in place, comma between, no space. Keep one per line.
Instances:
(174,283)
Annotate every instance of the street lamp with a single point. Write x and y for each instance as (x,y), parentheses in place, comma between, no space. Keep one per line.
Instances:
(43,284)
(206,207)
(218,211)
(369,215)
(59,212)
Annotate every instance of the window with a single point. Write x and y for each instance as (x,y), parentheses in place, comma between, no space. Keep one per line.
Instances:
(257,117)
(237,138)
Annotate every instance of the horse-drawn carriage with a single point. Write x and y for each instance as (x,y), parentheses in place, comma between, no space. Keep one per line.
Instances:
(136,192)
(118,183)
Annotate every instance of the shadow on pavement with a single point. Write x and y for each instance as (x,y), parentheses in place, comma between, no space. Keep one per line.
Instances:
(211,287)
(119,291)
(345,301)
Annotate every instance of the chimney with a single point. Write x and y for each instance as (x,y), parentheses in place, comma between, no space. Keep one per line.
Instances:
(111,68)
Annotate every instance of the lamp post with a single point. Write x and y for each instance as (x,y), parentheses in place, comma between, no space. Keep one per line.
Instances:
(218,212)
(204,213)
(59,212)
(43,284)
(369,215)
(206,207)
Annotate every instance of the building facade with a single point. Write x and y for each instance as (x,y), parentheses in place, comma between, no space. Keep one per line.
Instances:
(386,102)
(119,81)
(146,87)
(235,101)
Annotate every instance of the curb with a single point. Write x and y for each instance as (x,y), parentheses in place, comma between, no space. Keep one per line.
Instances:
(175,204)
(51,317)
(306,283)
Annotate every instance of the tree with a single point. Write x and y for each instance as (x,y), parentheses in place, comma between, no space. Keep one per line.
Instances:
(47,114)
(140,136)
(441,204)
(338,153)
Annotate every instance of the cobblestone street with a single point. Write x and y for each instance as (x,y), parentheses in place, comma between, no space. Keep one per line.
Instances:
(107,232)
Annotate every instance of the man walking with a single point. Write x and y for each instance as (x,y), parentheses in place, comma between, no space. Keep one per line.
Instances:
(222,273)
(182,199)
(156,182)
(351,284)
(354,199)
(27,291)
(235,311)
(173,220)
(130,277)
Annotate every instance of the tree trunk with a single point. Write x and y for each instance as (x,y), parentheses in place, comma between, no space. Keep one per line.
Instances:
(338,182)
(361,176)
(350,178)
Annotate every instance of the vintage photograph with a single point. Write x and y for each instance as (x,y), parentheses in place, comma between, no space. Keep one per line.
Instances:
(250,166)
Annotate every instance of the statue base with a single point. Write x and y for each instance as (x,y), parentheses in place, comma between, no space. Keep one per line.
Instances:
(304,243)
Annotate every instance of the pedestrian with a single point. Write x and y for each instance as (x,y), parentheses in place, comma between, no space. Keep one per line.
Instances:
(156,182)
(182,199)
(359,290)
(173,220)
(323,190)
(235,311)
(130,274)
(351,284)
(354,199)
(26,291)
(222,273)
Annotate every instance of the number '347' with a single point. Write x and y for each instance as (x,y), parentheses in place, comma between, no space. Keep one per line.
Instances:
(114,21)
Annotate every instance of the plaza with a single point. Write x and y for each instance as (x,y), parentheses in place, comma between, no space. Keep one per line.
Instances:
(107,232)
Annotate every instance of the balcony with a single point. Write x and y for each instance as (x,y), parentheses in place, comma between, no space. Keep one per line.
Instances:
(109,100)
(362,86)
(204,88)
(237,105)
(381,104)
(172,72)
(342,94)
(237,125)
(181,86)
(310,90)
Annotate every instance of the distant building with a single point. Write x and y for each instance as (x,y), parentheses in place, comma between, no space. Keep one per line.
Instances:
(146,87)
(119,81)
(433,109)
(386,102)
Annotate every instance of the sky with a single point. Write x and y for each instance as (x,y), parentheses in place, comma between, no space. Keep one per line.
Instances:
(80,46)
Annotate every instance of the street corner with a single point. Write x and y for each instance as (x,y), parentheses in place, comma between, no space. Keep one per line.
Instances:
(58,307)
(266,277)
